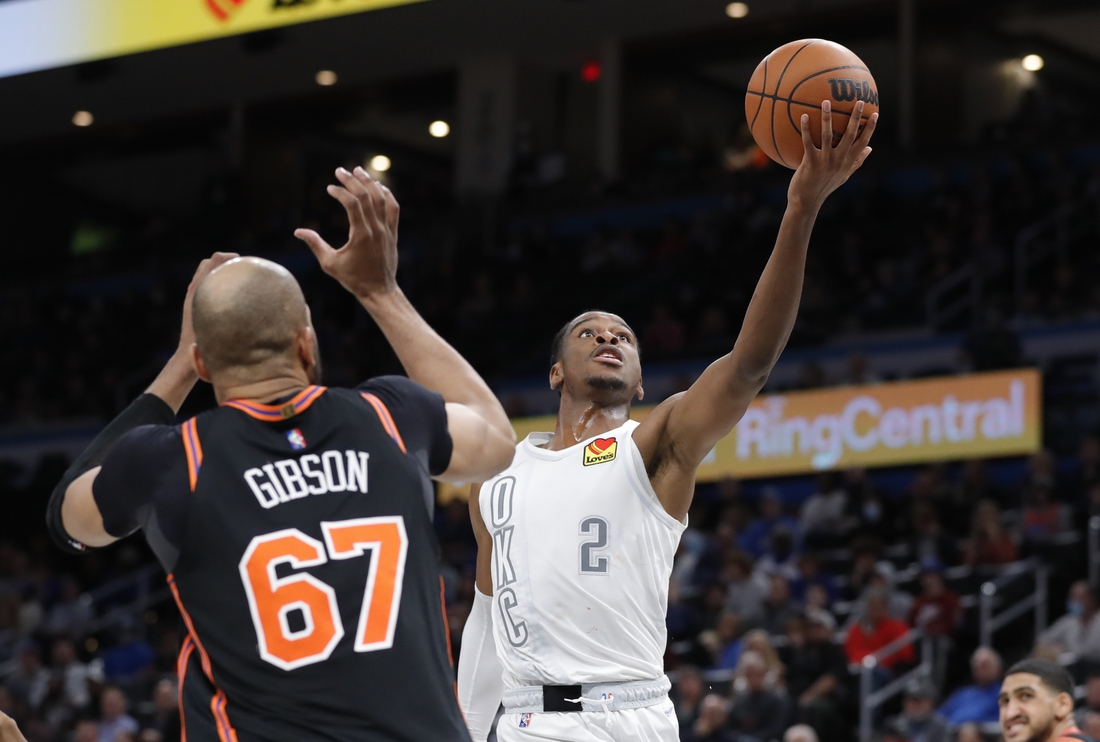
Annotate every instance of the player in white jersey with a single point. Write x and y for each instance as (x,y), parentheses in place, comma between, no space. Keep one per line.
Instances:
(576,539)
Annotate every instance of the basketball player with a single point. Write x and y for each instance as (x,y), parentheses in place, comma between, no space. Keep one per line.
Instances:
(576,539)
(294,520)
(1036,702)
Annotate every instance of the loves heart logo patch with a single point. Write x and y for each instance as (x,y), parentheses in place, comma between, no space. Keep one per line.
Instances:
(222,9)
(600,451)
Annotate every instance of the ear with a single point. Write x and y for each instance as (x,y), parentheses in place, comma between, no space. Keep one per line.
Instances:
(198,364)
(1063,706)
(305,347)
(557,376)
(639,392)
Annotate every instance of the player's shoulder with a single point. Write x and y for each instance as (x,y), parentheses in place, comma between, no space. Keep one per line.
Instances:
(150,441)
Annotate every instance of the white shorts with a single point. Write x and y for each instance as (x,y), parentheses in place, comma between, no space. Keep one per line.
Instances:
(655,723)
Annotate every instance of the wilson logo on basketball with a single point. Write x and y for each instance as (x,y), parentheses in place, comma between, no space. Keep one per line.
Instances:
(599,451)
(845,89)
(222,9)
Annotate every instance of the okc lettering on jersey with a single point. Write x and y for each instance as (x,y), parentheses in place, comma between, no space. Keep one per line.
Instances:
(312,474)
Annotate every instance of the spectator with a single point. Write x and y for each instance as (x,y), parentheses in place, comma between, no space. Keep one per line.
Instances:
(30,682)
(929,540)
(974,486)
(689,697)
(758,641)
(71,614)
(969,732)
(810,574)
(163,724)
(71,675)
(86,731)
(743,594)
(869,513)
(936,609)
(874,630)
(1042,516)
(893,730)
(1092,699)
(780,558)
(978,702)
(918,716)
(823,513)
(817,673)
(757,712)
(757,537)
(989,542)
(865,557)
(1090,725)
(779,607)
(113,716)
(130,659)
(729,631)
(1077,632)
(800,733)
(882,579)
(711,724)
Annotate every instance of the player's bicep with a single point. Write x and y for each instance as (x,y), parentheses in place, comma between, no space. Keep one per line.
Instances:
(478,450)
(80,513)
(484,575)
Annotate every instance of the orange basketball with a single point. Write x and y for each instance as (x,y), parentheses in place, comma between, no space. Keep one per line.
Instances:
(793,80)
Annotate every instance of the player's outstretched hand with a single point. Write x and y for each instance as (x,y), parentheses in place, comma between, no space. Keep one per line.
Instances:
(9,731)
(367,263)
(187,332)
(826,168)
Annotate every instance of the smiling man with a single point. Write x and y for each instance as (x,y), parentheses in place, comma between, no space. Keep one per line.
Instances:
(576,539)
(1036,703)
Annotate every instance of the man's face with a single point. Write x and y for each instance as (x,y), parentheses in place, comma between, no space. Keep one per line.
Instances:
(599,360)
(876,610)
(919,709)
(986,668)
(1029,710)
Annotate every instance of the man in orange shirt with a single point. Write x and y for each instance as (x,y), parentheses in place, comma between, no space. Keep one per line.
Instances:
(875,630)
(1036,703)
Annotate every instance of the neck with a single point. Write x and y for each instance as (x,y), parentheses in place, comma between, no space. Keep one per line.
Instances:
(264,390)
(1061,728)
(582,419)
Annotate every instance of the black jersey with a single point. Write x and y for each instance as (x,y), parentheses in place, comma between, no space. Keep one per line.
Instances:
(303,559)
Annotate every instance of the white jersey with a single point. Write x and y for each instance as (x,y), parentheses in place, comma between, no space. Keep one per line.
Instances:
(582,554)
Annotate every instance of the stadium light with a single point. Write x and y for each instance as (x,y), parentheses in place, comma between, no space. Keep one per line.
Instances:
(83,118)
(380,163)
(1033,63)
(325,78)
(439,129)
(737,10)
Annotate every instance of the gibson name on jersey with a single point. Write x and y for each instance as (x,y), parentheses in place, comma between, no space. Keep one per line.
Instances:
(311,474)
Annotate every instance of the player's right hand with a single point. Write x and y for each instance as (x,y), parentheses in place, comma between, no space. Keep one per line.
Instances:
(9,730)
(367,263)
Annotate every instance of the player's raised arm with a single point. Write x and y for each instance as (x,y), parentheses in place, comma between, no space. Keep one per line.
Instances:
(367,267)
(676,437)
(72,515)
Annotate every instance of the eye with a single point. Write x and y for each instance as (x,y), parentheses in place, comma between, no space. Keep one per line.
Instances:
(586,334)
(624,337)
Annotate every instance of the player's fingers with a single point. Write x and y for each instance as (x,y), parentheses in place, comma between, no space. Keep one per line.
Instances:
(807,140)
(868,131)
(316,244)
(393,209)
(853,123)
(350,203)
(374,192)
(350,182)
(863,155)
(826,124)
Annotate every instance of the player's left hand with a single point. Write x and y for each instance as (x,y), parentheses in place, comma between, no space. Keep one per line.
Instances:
(187,331)
(9,730)
(367,263)
(826,168)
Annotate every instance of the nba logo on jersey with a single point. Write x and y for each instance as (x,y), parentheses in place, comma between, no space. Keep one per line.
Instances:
(524,721)
(296,439)
(599,451)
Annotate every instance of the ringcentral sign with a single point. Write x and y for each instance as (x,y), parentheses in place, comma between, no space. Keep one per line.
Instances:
(40,34)
(907,422)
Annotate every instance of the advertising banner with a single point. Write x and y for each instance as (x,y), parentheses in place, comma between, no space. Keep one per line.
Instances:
(906,422)
(40,34)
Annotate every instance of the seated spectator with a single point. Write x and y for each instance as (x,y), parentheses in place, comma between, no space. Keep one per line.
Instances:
(817,598)
(936,609)
(163,724)
(817,672)
(800,733)
(711,724)
(1077,632)
(974,486)
(781,558)
(689,697)
(893,730)
(869,512)
(744,593)
(1092,700)
(758,641)
(113,717)
(866,554)
(882,579)
(130,659)
(822,514)
(874,630)
(1042,516)
(72,674)
(86,731)
(969,733)
(758,712)
(729,631)
(929,540)
(30,682)
(810,574)
(71,614)
(779,606)
(918,715)
(756,538)
(978,702)
(989,542)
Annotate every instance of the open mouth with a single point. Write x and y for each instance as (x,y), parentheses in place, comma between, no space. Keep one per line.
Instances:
(610,355)
(1015,725)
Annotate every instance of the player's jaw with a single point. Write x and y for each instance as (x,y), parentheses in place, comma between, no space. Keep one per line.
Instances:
(1021,728)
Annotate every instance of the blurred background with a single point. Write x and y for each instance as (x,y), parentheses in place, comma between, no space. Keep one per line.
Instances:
(559,156)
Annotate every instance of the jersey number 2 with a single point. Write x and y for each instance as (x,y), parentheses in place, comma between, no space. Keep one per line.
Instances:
(272,599)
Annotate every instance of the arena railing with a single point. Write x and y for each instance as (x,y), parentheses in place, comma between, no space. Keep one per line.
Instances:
(1094,551)
(1036,601)
(871,698)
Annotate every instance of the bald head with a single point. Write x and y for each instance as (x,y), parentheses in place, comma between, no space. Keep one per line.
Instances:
(248,313)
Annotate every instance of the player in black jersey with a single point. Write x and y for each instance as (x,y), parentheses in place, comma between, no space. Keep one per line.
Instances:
(294,521)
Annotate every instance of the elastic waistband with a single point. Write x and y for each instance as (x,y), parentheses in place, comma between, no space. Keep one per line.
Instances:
(531,699)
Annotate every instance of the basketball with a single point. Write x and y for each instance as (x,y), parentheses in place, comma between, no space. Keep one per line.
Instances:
(793,80)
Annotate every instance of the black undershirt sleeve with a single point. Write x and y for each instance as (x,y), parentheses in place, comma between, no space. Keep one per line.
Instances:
(143,484)
(421,418)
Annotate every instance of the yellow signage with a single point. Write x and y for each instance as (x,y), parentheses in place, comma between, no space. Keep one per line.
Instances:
(40,34)
(908,422)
